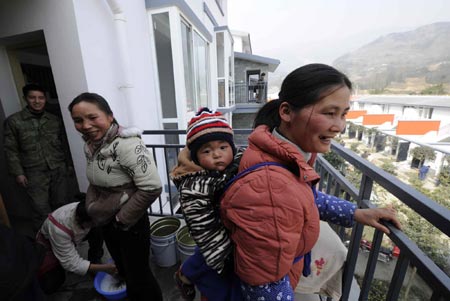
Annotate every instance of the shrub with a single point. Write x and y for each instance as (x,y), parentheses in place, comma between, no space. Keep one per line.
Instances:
(423,153)
(354,147)
(444,176)
(390,168)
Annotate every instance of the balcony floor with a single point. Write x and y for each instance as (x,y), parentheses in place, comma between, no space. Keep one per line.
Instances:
(81,288)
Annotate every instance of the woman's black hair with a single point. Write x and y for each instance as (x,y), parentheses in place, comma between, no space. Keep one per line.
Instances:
(81,215)
(302,87)
(95,99)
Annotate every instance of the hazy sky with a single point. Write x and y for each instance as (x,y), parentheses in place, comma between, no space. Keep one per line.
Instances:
(303,31)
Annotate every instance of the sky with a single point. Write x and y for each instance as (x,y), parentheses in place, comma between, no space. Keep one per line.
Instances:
(298,32)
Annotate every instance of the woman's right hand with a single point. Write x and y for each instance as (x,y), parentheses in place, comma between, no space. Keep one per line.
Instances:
(110,268)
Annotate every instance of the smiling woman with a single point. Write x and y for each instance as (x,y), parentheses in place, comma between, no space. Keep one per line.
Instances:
(91,116)
(273,212)
(123,182)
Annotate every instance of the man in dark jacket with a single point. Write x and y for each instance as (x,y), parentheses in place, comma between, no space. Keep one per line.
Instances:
(37,154)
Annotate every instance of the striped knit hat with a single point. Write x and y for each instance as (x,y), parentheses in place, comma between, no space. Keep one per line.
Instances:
(207,126)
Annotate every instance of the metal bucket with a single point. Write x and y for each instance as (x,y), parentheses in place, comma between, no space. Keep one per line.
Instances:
(163,240)
(186,245)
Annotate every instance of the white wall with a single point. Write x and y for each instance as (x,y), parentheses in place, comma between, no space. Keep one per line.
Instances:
(238,46)
(57,20)
(197,8)
(9,98)
(397,110)
(83,50)
(442,114)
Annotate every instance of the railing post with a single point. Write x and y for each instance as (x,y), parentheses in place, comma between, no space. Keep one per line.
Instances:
(371,264)
(365,191)
(397,279)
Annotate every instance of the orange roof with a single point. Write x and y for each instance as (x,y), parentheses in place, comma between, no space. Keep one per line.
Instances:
(353,114)
(377,119)
(417,127)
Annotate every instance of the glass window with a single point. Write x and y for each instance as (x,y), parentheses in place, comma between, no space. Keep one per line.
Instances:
(220,48)
(186,38)
(196,68)
(221,89)
(163,45)
(201,70)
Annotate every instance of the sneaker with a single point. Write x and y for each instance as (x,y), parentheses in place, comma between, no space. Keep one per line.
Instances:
(187,290)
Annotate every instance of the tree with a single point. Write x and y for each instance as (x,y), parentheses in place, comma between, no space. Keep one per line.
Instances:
(354,175)
(351,130)
(422,153)
(337,161)
(427,237)
(444,176)
(446,159)
(369,132)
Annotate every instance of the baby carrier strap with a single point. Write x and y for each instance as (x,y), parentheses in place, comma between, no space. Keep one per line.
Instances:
(307,256)
(60,226)
(249,170)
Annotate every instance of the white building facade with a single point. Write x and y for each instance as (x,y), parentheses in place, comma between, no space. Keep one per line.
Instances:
(156,62)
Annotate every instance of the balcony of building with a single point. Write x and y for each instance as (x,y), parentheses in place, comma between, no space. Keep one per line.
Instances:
(249,97)
(409,273)
(413,271)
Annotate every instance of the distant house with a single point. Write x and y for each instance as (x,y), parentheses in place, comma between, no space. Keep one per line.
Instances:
(251,75)
(432,114)
(414,120)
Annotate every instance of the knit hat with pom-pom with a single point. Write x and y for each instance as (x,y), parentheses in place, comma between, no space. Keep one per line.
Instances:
(207,126)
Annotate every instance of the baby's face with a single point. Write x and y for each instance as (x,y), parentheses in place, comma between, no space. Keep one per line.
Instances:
(215,155)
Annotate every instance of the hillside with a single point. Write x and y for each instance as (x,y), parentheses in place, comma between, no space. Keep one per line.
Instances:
(406,62)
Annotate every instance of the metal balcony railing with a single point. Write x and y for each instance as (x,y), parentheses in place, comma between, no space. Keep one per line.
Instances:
(250,93)
(333,182)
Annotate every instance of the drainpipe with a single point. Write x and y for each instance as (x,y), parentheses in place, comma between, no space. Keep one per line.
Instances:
(125,85)
(120,23)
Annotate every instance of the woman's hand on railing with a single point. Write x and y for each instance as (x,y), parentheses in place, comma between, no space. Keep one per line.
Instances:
(372,217)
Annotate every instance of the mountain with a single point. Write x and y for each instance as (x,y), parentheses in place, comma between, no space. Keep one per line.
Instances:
(405,62)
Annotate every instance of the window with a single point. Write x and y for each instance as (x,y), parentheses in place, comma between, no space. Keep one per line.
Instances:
(201,70)
(186,39)
(220,54)
(196,68)
(163,45)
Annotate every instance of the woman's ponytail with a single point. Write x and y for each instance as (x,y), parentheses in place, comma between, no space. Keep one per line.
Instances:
(268,115)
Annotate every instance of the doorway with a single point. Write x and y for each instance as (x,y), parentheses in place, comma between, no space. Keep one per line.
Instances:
(29,62)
